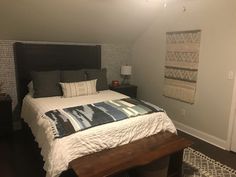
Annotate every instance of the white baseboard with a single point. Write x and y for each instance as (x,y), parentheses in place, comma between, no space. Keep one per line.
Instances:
(201,135)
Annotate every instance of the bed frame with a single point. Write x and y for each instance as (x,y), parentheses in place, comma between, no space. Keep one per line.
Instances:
(37,57)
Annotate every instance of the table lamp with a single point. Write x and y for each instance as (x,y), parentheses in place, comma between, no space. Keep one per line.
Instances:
(126,71)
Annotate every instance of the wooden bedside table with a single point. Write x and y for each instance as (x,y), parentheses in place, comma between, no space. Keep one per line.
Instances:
(129,90)
(5,114)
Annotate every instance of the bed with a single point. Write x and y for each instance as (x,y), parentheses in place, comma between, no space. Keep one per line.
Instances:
(58,153)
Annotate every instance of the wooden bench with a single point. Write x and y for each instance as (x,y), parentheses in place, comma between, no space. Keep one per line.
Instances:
(138,153)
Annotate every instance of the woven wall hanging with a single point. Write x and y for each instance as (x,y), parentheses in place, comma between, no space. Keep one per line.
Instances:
(181,67)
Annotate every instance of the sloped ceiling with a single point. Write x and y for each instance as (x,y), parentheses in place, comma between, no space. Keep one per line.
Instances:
(84,21)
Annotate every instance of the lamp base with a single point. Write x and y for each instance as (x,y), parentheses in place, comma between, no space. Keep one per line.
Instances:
(125,80)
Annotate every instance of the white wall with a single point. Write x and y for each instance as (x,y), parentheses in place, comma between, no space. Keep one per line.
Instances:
(217,20)
(87,21)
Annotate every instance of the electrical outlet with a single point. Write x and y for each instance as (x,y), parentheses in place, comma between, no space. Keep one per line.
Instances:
(183,112)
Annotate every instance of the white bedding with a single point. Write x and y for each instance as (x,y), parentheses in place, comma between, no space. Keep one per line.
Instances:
(57,153)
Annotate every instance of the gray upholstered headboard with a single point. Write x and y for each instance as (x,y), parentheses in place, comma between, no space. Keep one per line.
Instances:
(39,57)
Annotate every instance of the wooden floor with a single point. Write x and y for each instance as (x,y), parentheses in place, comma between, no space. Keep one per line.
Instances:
(19,155)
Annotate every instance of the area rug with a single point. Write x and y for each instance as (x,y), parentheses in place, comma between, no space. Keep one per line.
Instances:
(196,164)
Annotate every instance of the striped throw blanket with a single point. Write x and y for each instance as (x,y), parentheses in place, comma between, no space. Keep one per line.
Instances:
(70,120)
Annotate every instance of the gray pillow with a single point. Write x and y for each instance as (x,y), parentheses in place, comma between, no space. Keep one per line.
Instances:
(46,83)
(100,75)
(73,76)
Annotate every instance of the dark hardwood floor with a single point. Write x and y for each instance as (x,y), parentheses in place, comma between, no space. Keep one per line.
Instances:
(19,155)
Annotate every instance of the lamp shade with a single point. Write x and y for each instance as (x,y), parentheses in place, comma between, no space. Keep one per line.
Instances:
(126,70)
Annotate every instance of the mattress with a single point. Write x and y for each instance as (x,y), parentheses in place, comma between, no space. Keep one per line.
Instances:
(57,153)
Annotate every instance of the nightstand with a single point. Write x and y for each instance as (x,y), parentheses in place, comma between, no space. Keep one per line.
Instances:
(5,114)
(129,90)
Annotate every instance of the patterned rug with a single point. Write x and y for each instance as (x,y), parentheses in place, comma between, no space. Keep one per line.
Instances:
(197,164)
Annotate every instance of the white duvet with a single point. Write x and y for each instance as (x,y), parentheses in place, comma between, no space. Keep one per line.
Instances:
(57,153)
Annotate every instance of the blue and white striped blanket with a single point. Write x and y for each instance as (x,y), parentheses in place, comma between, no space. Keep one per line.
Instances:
(70,120)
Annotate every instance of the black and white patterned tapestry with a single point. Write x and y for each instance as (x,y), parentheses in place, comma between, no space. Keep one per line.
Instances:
(181,67)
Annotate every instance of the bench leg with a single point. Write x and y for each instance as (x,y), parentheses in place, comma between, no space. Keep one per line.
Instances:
(175,164)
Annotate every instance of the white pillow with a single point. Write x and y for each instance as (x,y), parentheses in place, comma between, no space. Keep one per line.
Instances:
(73,89)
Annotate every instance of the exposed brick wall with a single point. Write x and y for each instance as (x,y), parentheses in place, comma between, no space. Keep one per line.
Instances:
(7,69)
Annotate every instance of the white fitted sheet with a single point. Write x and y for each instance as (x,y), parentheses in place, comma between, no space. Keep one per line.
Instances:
(57,153)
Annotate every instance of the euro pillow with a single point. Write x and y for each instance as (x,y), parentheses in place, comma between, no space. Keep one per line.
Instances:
(46,83)
(74,89)
(73,76)
(100,75)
